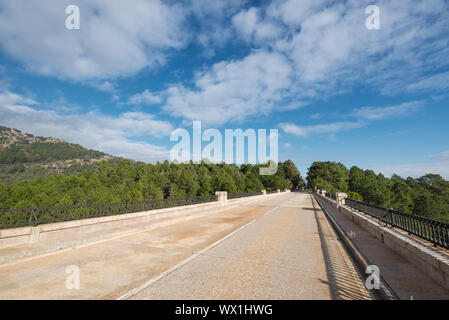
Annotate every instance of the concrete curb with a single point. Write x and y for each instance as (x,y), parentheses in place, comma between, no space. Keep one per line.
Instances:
(385,292)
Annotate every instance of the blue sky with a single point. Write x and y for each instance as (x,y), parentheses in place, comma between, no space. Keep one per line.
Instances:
(135,71)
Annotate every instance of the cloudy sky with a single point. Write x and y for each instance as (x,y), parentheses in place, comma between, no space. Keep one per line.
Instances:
(136,70)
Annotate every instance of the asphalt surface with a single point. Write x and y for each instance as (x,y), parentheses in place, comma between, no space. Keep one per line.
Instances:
(280,247)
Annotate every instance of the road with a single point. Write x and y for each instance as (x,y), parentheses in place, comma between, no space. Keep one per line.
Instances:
(280,247)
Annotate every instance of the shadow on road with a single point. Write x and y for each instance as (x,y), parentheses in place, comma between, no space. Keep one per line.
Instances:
(343,281)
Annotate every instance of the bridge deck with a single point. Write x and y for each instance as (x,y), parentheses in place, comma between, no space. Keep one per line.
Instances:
(276,248)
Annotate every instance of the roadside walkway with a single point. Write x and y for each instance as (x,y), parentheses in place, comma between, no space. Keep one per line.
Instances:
(26,252)
(405,279)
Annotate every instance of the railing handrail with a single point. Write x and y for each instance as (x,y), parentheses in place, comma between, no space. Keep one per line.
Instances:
(431,230)
(400,212)
(33,216)
(101,203)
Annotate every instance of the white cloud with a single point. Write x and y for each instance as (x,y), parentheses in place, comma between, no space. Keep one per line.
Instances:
(329,128)
(438,81)
(8,98)
(363,113)
(293,12)
(141,124)
(415,170)
(440,156)
(245,22)
(379,113)
(249,26)
(326,49)
(212,20)
(115,38)
(333,51)
(306,50)
(105,86)
(233,91)
(115,135)
(145,97)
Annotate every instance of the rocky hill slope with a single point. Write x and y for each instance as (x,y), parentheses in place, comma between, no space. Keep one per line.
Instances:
(24,156)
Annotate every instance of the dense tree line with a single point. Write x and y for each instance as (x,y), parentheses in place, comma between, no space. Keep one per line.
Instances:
(427,196)
(131,181)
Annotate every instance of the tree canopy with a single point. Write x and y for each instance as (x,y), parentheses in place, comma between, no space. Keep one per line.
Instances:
(427,196)
(131,181)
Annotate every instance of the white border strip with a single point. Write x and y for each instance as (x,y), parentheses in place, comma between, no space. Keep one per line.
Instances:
(270,211)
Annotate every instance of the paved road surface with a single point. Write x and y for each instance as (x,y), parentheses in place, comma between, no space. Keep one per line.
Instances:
(277,248)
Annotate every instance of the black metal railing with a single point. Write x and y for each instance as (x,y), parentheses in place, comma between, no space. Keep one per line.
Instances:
(243,195)
(272,191)
(11,218)
(434,231)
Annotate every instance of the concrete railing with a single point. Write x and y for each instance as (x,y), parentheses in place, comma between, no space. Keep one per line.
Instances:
(59,230)
(433,262)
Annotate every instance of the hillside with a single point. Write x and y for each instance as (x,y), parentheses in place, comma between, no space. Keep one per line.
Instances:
(24,156)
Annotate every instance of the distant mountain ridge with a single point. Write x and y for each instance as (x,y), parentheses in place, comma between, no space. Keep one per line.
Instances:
(24,156)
